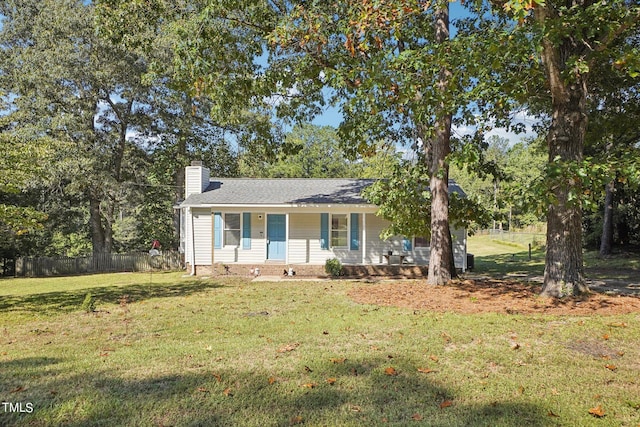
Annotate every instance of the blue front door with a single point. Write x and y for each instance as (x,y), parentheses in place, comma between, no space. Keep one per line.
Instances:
(276,236)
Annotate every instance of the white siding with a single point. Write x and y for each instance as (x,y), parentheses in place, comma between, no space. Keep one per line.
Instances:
(303,246)
(202,231)
(348,255)
(420,255)
(376,248)
(236,254)
(258,251)
(460,248)
(304,239)
(196,180)
(304,242)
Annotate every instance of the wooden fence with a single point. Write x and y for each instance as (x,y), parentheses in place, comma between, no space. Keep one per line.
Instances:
(97,263)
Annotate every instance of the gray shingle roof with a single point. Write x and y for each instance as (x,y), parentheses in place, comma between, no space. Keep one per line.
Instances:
(285,191)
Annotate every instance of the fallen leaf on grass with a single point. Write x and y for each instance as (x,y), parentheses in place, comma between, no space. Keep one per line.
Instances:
(433,357)
(272,380)
(310,385)
(425,370)
(551,414)
(217,377)
(618,325)
(228,392)
(202,390)
(611,367)
(391,371)
(515,346)
(331,381)
(296,420)
(446,404)
(288,347)
(605,337)
(338,360)
(416,417)
(597,412)
(17,389)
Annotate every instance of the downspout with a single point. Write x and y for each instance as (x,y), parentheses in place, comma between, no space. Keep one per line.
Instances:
(193,244)
(213,241)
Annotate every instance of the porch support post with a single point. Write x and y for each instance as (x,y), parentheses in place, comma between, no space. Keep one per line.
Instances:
(363,246)
(286,239)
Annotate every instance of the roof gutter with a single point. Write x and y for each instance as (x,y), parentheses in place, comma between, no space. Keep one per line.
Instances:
(288,205)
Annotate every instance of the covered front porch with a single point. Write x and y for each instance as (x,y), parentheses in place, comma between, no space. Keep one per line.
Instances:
(306,236)
(303,238)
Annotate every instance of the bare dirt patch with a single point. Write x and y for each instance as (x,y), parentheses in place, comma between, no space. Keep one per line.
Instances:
(489,296)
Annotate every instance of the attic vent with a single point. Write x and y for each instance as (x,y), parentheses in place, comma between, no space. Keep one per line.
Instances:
(196,163)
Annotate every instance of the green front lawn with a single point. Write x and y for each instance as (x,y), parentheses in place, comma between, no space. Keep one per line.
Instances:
(186,352)
(500,258)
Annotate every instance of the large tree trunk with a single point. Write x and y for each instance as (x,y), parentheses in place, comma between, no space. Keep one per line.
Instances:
(109,219)
(564,272)
(606,242)
(95,223)
(179,187)
(441,256)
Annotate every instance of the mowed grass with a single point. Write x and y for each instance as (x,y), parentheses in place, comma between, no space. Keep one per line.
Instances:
(501,258)
(228,352)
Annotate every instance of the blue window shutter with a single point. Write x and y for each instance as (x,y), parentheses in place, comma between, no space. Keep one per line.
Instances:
(355,232)
(246,230)
(217,230)
(406,245)
(324,231)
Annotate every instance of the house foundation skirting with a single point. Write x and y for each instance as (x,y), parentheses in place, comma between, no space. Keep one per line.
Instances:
(409,271)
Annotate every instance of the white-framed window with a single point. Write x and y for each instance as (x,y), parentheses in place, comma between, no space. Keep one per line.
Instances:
(421,242)
(232,229)
(339,231)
